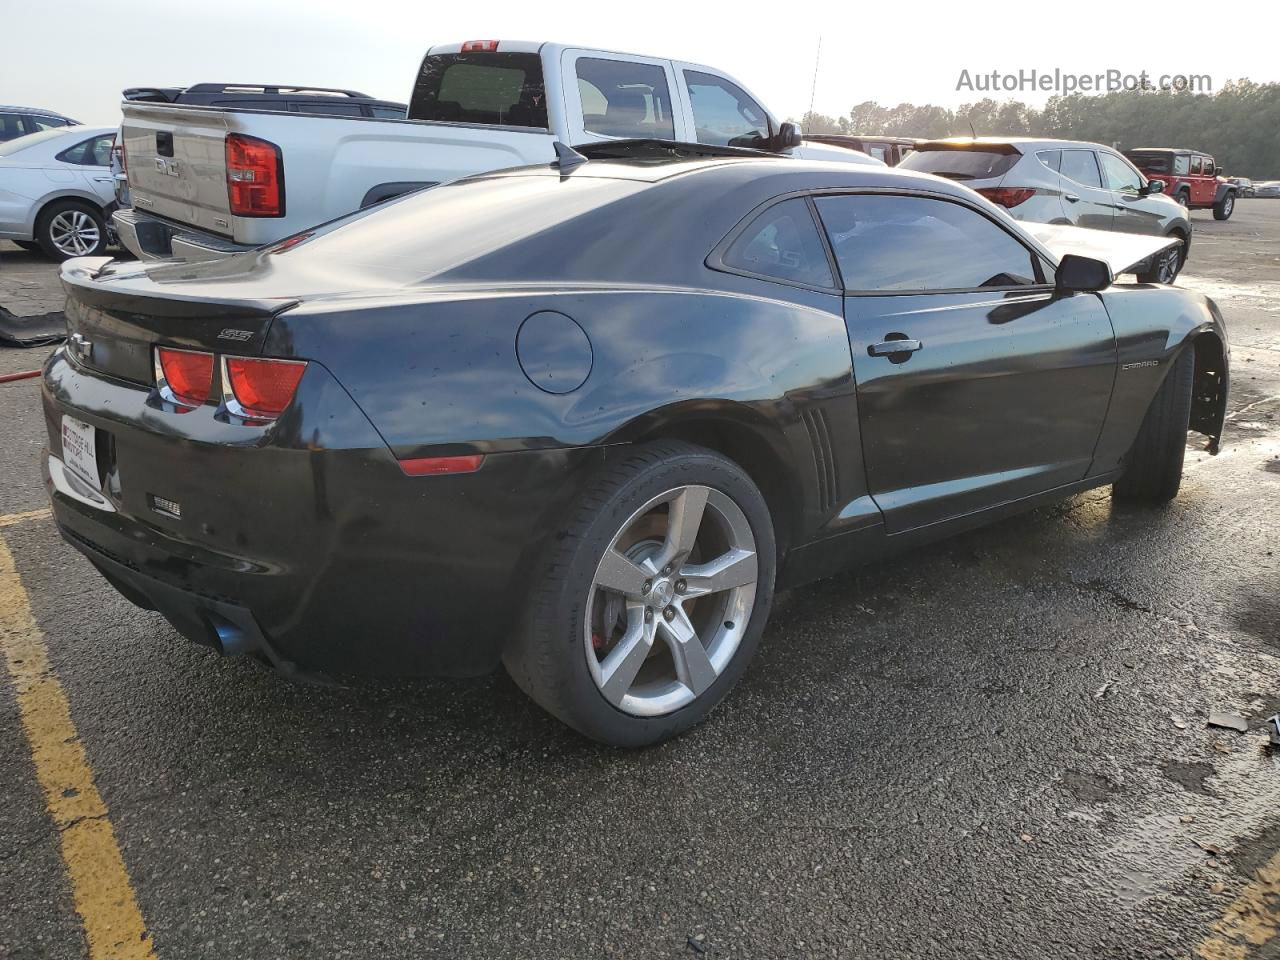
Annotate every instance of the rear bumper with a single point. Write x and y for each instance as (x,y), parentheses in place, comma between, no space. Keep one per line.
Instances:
(150,238)
(307,546)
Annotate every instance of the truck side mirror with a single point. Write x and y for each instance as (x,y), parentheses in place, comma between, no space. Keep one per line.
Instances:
(1077,274)
(788,136)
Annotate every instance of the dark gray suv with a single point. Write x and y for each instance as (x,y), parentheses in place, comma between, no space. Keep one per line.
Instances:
(1067,182)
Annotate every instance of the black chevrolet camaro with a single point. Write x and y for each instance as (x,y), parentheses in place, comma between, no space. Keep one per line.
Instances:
(584,419)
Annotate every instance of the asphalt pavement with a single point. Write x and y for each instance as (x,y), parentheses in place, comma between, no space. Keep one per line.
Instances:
(994,747)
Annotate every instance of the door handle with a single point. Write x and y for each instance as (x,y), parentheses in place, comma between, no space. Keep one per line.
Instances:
(1072,198)
(888,348)
(102,180)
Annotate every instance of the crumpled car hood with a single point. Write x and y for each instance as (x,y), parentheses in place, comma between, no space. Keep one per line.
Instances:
(1121,251)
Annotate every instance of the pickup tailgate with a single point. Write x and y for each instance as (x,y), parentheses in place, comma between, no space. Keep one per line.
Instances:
(177,164)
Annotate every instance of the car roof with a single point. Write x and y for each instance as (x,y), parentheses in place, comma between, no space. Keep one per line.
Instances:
(35,111)
(1033,143)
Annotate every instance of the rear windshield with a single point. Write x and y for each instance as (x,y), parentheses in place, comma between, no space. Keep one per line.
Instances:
(493,88)
(1151,162)
(960,164)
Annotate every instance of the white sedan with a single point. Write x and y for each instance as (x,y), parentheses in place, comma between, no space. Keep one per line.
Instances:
(56,191)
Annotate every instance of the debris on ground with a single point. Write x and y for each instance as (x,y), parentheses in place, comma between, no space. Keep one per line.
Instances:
(1228,721)
(1273,730)
(1102,691)
(1212,849)
(1179,723)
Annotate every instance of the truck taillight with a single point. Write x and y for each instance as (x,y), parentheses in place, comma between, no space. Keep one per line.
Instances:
(1007,196)
(187,375)
(262,388)
(480,46)
(255,177)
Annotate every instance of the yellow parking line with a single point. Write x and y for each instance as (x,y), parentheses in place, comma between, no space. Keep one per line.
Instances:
(100,885)
(9,519)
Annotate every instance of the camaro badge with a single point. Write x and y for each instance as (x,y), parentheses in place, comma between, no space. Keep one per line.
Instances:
(1140,363)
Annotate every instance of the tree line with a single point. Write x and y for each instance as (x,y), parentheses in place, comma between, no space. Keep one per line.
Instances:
(1239,124)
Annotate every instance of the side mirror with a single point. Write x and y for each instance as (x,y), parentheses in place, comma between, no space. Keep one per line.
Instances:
(1154,186)
(788,136)
(1078,274)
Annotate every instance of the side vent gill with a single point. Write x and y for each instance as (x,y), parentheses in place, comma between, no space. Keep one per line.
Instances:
(824,461)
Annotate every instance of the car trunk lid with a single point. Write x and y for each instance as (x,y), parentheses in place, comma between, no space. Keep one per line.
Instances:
(115,319)
(177,164)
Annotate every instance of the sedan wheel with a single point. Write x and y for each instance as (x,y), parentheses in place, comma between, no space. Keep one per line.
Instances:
(655,595)
(70,230)
(670,601)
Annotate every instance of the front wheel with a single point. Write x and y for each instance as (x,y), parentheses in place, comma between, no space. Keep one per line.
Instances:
(1223,209)
(654,598)
(1165,268)
(1153,468)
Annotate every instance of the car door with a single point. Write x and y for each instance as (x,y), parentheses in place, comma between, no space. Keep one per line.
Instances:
(977,382)
(619,96)
(721,112)
(1135,213)
(91,162)
(1086,202)
(1210,185)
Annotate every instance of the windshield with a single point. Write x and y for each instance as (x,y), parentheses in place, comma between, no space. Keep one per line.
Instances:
(446,229)
(502,89)
(964,163)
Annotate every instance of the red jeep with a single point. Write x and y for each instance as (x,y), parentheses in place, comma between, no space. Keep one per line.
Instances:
(1189,177)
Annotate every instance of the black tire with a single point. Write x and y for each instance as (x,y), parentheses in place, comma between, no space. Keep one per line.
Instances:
(28,245)
(1184,198)
(1166,267)
(49,233)
(1153,468)
(1223,209)
(547,657)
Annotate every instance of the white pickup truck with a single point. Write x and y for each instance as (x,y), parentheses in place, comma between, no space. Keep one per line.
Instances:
(210,181)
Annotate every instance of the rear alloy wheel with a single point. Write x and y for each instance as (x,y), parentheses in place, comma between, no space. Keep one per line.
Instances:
(1223,209)
(655,598)
(71,229)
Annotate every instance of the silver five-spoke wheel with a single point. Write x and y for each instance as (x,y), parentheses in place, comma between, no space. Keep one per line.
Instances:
(670,601)
(74,233)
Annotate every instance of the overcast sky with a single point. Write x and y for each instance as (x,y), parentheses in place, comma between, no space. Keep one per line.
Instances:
(75,56)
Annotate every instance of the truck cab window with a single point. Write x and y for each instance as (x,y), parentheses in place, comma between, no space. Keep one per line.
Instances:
(723,114)
(502,89)
(625,99)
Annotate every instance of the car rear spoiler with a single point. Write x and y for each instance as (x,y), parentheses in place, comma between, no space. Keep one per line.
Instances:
(1121,251)
(89,279)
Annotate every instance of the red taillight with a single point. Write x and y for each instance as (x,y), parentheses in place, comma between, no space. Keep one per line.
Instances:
(435,466)
(255,177)
(263,388)
(188,374)
(480,46)
(1007,196)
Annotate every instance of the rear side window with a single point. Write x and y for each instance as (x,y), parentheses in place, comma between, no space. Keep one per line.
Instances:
(625,99)
(37,123)
(1152,162)
(1051,159)
(723,114)
(782,243)
(503,89)
(387,113)
(1181,165)
(887,243)
(965,164)
(12,126)
(1082,167)
(90,153)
